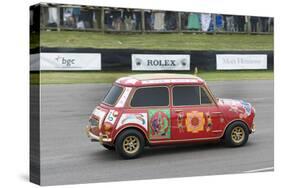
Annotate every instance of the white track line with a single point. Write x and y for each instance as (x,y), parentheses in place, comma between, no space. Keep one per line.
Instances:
(260,170)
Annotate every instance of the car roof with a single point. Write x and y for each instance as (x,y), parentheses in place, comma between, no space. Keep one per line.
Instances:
(159,79)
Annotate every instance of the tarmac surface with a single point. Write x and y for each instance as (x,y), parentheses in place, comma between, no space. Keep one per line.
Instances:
(68,156)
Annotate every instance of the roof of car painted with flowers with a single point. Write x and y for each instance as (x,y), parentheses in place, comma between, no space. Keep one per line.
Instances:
(159,79)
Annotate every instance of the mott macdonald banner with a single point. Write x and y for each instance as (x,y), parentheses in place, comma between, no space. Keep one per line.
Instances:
(241,61)
(156,62)
(65,61)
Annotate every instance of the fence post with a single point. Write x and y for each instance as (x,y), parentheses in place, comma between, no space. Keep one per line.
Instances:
(249,24)
(58,14)
(179,22)
(102,19)
(268,25)
(214,23)
(142,21)
(42,17)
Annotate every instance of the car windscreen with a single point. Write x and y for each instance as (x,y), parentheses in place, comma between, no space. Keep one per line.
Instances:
(112,95)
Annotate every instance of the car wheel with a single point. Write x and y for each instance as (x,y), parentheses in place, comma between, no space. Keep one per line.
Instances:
(129,144)
(108,147)
(236,134)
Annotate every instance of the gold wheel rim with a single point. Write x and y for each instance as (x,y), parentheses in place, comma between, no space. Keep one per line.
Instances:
(131,144)
(237,135)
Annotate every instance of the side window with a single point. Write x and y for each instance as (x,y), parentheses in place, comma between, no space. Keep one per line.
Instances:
(186,95)
(152,96)
(204,97)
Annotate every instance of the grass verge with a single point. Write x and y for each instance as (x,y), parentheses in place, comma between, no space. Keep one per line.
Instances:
(162,41)
(109,77)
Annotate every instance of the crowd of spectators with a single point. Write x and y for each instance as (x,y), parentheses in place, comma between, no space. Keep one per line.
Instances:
(122,19)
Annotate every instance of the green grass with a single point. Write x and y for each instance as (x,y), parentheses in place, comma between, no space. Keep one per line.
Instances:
(34,40)
(167,41)
(172,41)
(109,77)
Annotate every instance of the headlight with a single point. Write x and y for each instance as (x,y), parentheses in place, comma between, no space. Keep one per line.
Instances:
(94,122)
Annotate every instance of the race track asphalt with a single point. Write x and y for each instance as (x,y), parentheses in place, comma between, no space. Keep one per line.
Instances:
(68,156)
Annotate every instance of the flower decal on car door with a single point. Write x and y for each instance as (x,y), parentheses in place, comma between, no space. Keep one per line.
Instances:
(195,121)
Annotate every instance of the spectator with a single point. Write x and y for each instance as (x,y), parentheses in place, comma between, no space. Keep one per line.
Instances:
(254,21)
(117,20)
(239,23)
(230,23)
(137,19)
(170,20)
(219,22)
(264,24)
(211,26)
(108,19)
(159,21)
(148,20)
(205,21)
(86,16)
(76,14)
(53,17)
(129,19)
(193,21)
(68,19)
(184,20)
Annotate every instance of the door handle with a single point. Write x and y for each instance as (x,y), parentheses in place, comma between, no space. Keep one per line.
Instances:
(178,111)
(216,113)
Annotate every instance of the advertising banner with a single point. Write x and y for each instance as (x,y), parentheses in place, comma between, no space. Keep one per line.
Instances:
(158,62)
(241,61)
(70,61)
(35,62)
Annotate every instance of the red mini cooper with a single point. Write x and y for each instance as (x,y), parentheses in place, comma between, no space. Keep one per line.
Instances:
(156,109)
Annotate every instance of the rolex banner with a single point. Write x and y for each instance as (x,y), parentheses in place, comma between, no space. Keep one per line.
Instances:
(69,61)
(156,62)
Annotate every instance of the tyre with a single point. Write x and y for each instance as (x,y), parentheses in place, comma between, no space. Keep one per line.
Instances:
(129,144)
(108,147)
(236,134)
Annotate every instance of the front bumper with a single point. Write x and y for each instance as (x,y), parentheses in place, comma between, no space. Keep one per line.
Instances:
(96,138)
(253,130)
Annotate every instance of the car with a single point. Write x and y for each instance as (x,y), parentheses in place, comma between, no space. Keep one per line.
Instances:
(158,109)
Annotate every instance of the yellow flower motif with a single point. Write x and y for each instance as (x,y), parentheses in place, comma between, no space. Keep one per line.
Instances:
(195,121)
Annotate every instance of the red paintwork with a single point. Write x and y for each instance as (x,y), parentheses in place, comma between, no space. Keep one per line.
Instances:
(222,112)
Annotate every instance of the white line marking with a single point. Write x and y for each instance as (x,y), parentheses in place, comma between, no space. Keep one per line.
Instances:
(260,170)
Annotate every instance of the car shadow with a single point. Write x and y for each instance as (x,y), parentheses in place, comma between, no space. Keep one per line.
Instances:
(108,155)
(181,148)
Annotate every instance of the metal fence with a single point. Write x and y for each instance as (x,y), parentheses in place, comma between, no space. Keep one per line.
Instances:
(105,19)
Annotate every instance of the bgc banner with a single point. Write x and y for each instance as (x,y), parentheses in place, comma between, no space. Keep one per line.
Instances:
(35,62)
(66,61)
(241,61)
(158,62)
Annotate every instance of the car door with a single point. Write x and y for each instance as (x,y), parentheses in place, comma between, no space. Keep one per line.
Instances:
(155,101)
(195,115)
